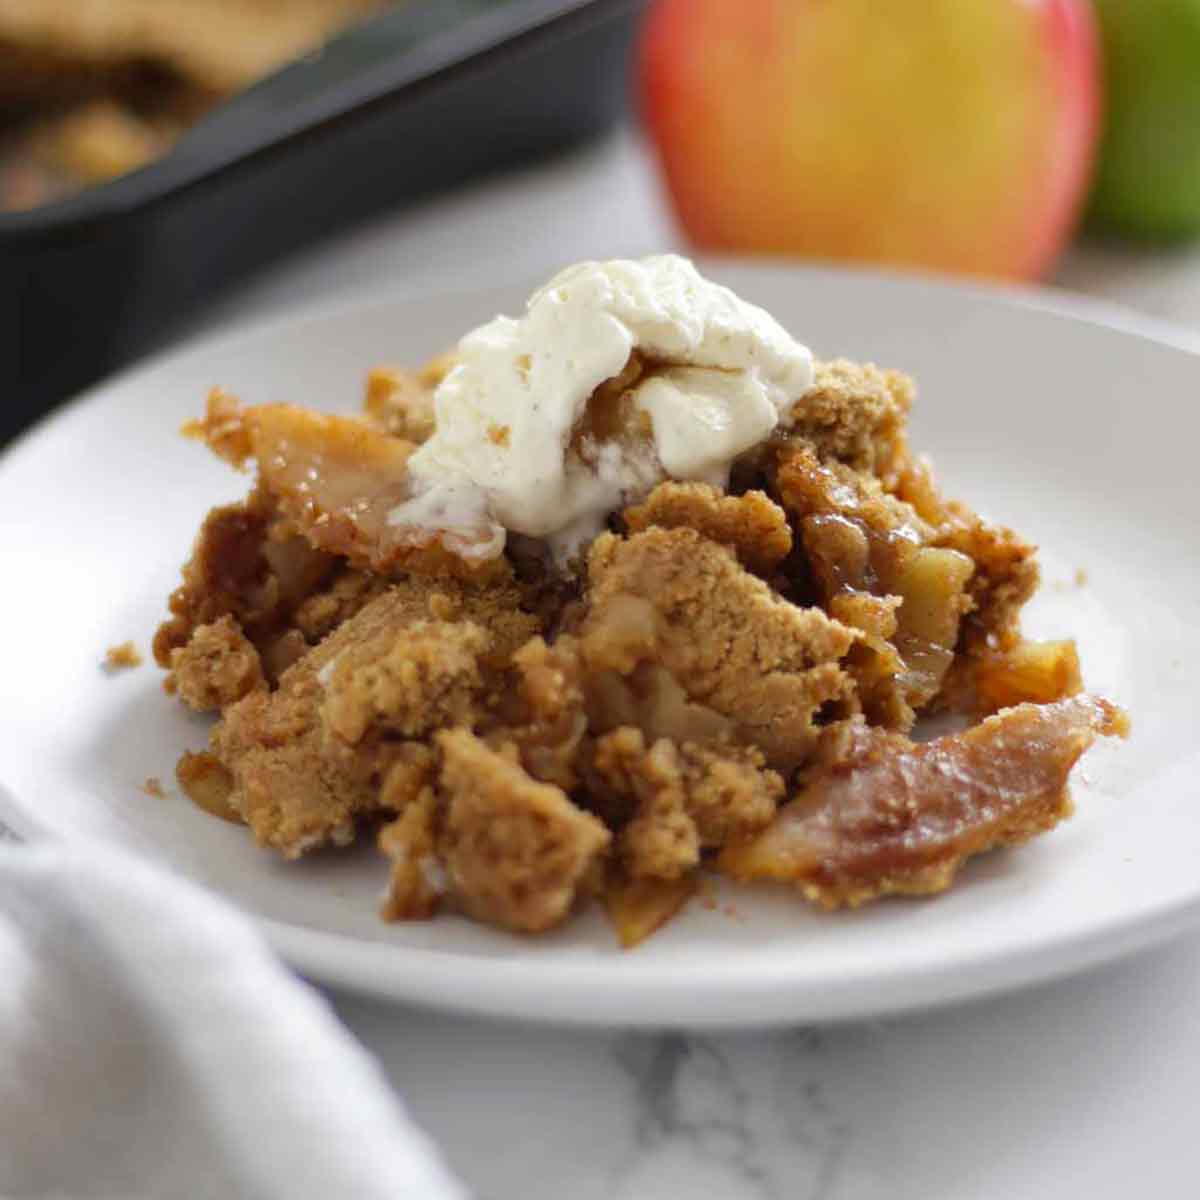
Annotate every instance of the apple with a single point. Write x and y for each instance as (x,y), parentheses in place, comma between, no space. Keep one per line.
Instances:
(1148,180)
(956,135)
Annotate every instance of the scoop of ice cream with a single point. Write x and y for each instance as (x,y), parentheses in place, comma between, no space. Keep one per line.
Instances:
(510,449)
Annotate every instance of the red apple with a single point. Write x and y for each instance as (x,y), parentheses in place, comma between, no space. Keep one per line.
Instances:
(952,134)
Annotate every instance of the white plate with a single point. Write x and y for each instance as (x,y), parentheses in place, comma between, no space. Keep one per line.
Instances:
(1077,432)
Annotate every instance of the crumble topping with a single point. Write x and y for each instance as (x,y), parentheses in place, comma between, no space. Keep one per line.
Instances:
(122,657)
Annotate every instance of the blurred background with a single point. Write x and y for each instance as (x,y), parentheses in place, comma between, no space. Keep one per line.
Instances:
(172,166)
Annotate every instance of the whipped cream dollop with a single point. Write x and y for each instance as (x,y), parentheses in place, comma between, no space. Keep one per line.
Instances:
(506,454)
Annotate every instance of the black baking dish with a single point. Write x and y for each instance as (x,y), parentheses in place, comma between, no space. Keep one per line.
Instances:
(414,100)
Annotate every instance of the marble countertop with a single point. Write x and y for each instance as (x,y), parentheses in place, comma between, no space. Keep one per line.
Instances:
(1086,1088)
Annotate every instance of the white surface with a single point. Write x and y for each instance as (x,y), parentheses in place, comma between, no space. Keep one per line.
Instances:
(1084,1088)
(122,1036)
(1061,454)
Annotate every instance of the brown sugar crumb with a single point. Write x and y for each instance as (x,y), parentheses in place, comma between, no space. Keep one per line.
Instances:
(752,525)
(730,792)
(323,611)
(412,769)
(682,800)
(544,715)
(674,599)
(122,657)
(308,760)
(661,840)
(517,852)
(152,786)
(856,413)
(218,666)
(406,682)
(417,881)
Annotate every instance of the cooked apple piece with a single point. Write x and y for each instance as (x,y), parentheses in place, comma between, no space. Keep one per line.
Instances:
(336,477)
(638,907)
(932,584)
(862,541)
(338,480)
(873,661)
(888,815)
(208,784)
(1041,672)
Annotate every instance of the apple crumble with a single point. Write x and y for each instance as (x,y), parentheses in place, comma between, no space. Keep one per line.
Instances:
(622,591)
(92,89)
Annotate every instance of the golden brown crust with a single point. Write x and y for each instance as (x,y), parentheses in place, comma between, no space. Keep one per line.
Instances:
(681,800)
(311,757)
(542,713)
(752,525)
(661,840)
(407,682)
(855,413)
(217,667)
(247,563)
(517,852)
(348,591)
(673,599)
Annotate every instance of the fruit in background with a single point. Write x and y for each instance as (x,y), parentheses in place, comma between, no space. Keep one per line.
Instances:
(951,134)
(1148,176)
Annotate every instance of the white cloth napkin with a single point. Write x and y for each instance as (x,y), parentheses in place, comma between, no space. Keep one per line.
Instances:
(151,1046)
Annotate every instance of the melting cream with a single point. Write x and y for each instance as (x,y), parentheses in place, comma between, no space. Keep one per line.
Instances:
(723,374)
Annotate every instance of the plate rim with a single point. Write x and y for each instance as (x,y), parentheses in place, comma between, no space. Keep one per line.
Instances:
(493,988)
(482,986)
(1062,302)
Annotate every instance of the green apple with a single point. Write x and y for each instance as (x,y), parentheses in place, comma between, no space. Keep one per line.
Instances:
(1148,180)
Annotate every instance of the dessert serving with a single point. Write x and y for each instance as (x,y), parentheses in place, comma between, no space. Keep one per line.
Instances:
(620,592)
